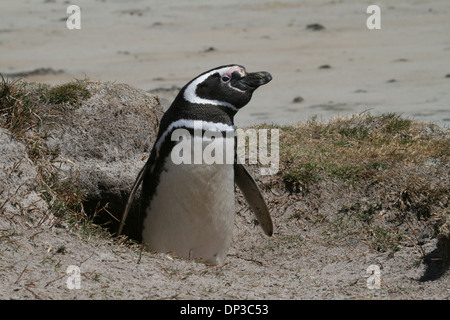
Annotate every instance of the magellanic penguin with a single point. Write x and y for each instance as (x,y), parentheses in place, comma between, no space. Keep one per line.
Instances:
(188,209)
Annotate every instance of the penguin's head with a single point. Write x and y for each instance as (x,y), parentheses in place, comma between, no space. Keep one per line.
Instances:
(231,86)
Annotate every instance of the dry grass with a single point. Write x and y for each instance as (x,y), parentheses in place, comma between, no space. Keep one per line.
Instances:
(397,170)
(17,114)
(356,149)
(23,112)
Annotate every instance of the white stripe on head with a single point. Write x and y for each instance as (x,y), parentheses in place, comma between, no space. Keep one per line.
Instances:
(193,124)
(191,96)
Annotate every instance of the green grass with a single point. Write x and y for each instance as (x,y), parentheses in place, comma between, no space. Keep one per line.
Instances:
(394,163)
(354,149)
(71,93)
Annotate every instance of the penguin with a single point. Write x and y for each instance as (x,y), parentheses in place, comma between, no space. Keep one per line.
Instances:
(187,208)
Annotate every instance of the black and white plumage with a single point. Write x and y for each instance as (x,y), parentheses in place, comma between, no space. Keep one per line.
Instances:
(188,209)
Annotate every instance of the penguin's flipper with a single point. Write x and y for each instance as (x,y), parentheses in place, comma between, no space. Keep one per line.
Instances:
(136,185)
(254,197)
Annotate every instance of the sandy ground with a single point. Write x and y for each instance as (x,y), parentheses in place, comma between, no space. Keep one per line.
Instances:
(403,67)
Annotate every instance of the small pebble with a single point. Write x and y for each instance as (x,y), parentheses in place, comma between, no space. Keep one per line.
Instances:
(315,27)
(298,99)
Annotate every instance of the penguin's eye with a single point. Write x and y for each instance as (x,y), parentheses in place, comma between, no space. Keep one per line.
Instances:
(225,78)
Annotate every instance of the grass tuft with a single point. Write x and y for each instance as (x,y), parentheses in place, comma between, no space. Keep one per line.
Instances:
(399,167)
(355,149)
(20,114)
(17,113)
(71,93)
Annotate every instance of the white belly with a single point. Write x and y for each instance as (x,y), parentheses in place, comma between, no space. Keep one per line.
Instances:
(192,213)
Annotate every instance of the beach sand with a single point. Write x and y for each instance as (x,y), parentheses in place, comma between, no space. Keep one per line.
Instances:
(342,69)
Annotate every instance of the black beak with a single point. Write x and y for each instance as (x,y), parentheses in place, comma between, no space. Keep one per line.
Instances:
(256,79)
